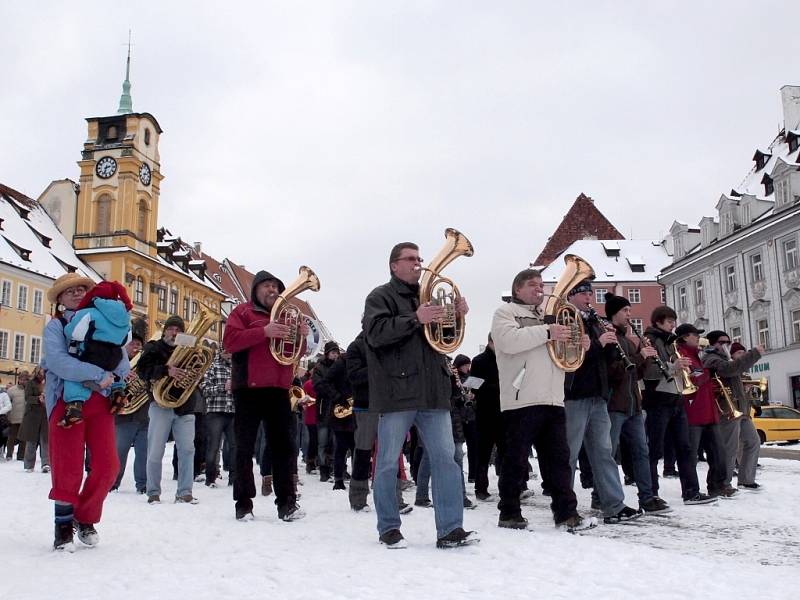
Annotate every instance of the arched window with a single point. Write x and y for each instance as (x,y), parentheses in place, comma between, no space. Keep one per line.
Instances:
(102,224)
(141,220)
(146,137)
(138,290)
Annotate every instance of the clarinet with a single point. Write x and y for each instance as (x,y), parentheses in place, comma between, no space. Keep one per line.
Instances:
(606,323)
(656,359)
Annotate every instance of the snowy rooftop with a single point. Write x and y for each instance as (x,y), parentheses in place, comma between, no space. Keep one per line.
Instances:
(616,260)
(777,150)
(30,240)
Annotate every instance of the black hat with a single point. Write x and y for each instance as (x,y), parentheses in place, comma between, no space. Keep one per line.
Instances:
(176,321)
(461,360)
(688,328)
(713,336)
(136,336)
(330,347)
(614,304)
(583,286)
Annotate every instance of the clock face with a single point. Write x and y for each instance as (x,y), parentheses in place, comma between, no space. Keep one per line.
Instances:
(106,167)
(144,174)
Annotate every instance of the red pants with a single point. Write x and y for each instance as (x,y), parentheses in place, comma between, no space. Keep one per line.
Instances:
(67,447)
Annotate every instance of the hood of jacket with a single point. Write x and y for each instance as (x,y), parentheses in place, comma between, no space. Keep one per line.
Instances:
(261,277)
(114,311)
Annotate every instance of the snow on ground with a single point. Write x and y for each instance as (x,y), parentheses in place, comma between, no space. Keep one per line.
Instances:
(748,545)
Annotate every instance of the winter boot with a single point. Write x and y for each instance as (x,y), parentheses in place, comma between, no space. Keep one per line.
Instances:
(393,540)
(311,466)
(87,534)
(324,473)
(72,414)
(266,485)
(339,485)
(577,523)
(63,537)
(359,489)
(290,512)
(456,538)
(295,482)
(515,522)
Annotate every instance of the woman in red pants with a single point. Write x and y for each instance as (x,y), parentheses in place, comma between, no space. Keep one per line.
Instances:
(78,501)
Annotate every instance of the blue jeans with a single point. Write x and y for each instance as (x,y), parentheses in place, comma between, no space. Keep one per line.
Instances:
(162,421)
(217,423)
(632,429)
(588,425)
(436,431)
(132,433)
(424,473)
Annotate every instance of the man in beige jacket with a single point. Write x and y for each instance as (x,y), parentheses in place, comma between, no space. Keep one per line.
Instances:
(532,405)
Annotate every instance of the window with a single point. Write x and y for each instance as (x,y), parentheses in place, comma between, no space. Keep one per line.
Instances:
(19,346)
(756,267)
(769,185)
(146,137)
(637,325)
(663,295)
(162,299)
(730,278)
(634,296)
(186,309)
(790,255)
(38,301)
(794,142)
(745,214)
(3,344)
(699,294)
(103,217)
(36,350)
(782,192)
(600,295)
(173,302)
(796,326)
(141,222)
(682,305)
(5,293)
(736,334)
(138,290)
(194,308)
(22,297)
(727,222)
(762,325)
(678,247)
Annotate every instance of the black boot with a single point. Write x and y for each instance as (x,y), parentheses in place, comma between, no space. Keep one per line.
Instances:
(324,473)
(339,485)
(63,537)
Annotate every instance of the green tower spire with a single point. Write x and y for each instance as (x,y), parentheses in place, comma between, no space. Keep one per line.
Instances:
(125,100)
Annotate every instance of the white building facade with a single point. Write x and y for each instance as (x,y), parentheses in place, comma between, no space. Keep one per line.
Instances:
(740,271)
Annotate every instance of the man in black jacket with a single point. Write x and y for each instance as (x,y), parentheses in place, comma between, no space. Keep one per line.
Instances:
(488,417)
(586,392)
(152,366)
(338,392)
(410,384)
(326,394)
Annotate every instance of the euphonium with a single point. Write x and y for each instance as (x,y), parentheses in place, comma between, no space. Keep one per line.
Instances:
(286,351)
(340,411)
(296,395)
(689,388)
(446,335)
(194,360)
(725,392)
(567,356)
(757,387)
(136,390)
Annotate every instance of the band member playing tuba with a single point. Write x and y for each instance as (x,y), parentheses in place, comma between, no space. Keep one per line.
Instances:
(532,404)
(738,433)
(261,394)
(409,384)
(335,388)
(152,366)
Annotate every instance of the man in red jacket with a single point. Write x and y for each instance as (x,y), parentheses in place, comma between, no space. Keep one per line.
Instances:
(702,412)
(261,394)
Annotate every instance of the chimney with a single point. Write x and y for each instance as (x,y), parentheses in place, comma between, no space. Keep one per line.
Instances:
(198,247)
(790,98)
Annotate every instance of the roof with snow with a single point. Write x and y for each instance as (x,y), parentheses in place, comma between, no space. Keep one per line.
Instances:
(614,260)
(30,240)
(583,220)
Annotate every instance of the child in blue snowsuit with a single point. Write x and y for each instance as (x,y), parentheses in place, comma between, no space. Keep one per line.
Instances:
(97,334)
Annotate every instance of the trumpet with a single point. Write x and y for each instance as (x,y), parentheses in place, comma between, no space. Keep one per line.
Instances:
(725,392)
(689,388)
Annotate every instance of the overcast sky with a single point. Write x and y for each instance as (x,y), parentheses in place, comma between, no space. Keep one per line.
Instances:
(323,133)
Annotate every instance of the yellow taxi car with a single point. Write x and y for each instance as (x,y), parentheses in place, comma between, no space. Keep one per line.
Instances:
(778,424)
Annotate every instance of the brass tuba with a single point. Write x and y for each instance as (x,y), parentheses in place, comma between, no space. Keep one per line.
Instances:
(136,390)
(444,336)
(287,351)
(194,359)
(567,356)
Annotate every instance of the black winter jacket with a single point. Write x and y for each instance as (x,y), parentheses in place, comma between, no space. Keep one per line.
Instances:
(405,373)
(152,366)
(326,393)
(591,379)
(487,397)
(336,379)
(356,360)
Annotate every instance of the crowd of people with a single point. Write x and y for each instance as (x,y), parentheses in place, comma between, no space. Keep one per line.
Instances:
(400,410)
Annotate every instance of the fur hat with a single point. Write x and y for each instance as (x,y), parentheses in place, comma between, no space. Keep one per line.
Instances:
(614,304)
(175,321)
(65,282)
(110,290)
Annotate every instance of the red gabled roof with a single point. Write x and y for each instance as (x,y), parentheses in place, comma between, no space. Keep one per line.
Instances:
(242,276)
(583,220)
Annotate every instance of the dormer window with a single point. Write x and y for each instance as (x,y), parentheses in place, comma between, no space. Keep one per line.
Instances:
(769,185)
(793,139)
(782,192)
(761,158)
(24,253)
(611,248)
(727,221)
(745,208)
(678,247)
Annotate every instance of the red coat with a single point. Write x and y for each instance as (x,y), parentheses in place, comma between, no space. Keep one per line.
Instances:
(252,363)
(310,411)
(701,407)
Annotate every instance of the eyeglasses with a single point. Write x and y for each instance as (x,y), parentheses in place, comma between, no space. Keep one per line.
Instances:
(75,291)
(414,259)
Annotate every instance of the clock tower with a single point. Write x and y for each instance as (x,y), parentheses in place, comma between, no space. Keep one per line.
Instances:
(120,180)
